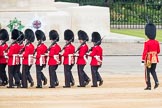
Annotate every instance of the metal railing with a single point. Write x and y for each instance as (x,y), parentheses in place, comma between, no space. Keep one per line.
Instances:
(129,13)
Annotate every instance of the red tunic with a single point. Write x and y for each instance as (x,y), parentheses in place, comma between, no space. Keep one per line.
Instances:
(20,47)
(41,50)
(14,49)
(82,55)
(29,50)
(151,51)
(69,50)
(54,55)
(96,53)
(3,60)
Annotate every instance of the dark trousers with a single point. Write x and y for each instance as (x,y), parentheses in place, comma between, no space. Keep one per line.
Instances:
(3,75)
(68,74)
(40,75)
(52,75)
(153,73)
(83,78)
(26,75)
(12,73)
(18,71)
(29,77)
(95,75)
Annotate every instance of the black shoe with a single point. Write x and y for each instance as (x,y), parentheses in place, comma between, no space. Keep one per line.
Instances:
(57,83)
(87,82)
(10,87)
(38,86)
(94,86)
(19,85)
(156,85)
(72,83)
(51,86)
(147,88)
(32,84)
(101,82)
(45,81)
(4,83)
(66,87)
(81,86)
(24,87)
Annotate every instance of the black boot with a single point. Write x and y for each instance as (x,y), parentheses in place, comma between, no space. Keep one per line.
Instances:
(147,88)
(32,84)
(45,81)
(101,82)
(156,85)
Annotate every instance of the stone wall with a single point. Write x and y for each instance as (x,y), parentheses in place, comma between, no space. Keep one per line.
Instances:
(56,15)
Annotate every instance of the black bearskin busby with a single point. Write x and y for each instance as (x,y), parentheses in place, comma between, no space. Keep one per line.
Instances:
(150,31)
(15,34)
(40,35)
(68,35)
(96,37)
(29,35)
(4,35)
(82,35)
(53,35)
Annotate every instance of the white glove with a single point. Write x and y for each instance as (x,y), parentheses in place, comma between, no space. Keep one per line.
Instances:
(87,53)
(76,55)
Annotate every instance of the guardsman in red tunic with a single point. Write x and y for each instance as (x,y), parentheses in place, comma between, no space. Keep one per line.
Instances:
(150,55)
(68,58)
(13,60)
(40,58)
(4,37)
(54,58)
(82,59)
(96,62)
(21,45)
(28,59)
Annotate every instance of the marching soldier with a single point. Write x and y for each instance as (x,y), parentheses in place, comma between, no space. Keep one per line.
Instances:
(21,45)
(150,55)
(96,61)
(4,37)
(82,59)
(54,58)
(68,61)
(40,58)
(13,60)
(27,56)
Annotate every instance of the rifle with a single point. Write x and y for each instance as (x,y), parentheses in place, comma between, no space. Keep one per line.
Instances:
(13,43)
(66,44)
(95,44)
(4,42)
(54,42)
(20,42)
(22,50)
(81,45)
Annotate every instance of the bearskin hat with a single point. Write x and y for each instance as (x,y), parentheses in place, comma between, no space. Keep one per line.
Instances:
(40,35)
(96,37)
(150,31)
(29,35)
(68,35)
(53,35)
(4,35)
(15,34)
(82,35)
